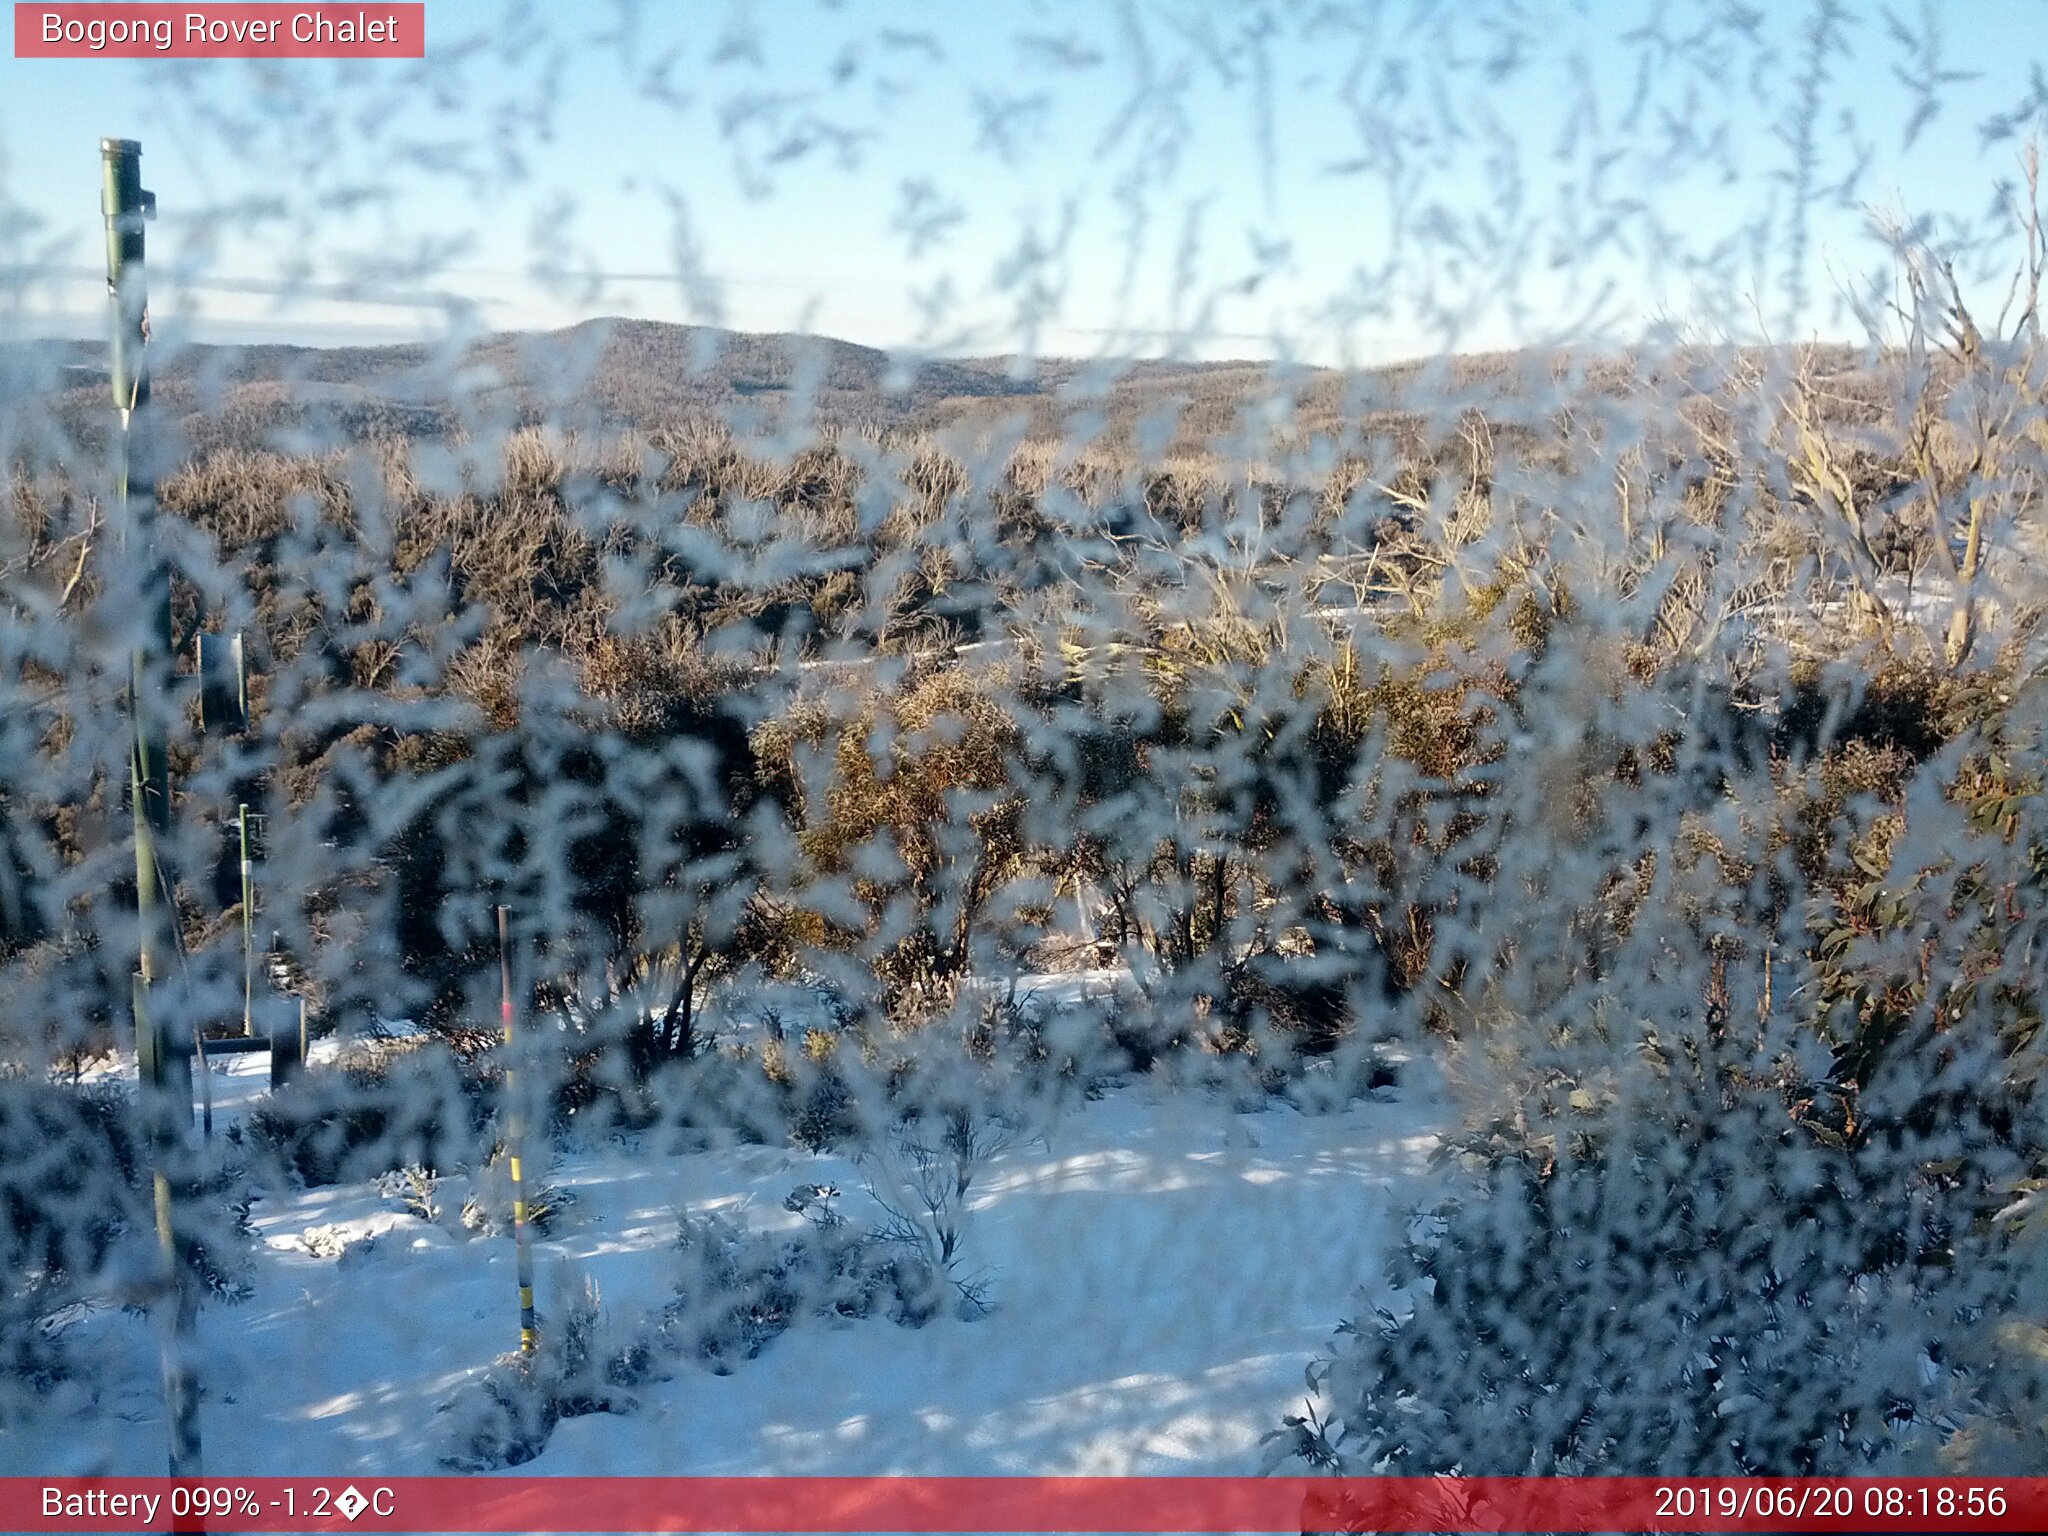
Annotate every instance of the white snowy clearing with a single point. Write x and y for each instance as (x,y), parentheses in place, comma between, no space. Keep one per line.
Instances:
(1162,1264)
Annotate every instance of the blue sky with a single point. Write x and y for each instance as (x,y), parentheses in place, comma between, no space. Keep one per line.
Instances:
(1236,178)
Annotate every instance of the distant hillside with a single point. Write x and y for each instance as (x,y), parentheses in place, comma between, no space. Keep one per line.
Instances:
(608,374)
(641,375)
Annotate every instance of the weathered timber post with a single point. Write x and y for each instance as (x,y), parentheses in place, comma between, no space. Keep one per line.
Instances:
(162,1055)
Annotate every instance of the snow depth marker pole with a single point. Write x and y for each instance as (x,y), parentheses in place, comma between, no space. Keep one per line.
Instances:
(165,1068)
(515,1138)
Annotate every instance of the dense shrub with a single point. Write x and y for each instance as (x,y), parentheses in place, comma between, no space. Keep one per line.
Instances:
(422,1108)
(74,1215)
(1690,1284)
(503,1416)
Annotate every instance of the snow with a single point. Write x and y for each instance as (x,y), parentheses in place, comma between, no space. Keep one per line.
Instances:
(1162,1266)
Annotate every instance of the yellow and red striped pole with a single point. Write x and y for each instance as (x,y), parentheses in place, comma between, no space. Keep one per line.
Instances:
(514,1145)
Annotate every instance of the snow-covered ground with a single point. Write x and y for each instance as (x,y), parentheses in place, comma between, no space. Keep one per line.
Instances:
(1162,1266)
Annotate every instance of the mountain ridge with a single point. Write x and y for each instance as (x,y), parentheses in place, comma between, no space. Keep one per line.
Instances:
(626,375)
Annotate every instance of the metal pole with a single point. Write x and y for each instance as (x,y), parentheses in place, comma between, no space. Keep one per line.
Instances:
(166,1079)
(203,1071)
(515,1136)
(126,206)
(248,928)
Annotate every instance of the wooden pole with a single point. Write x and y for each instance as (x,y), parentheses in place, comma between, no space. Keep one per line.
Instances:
(164,1065)
(515,1137)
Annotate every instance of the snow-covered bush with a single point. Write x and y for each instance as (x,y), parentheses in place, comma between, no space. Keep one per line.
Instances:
(72,1216)
(417,1189)
(1698,1288)
(921,1172)
(504,1416)
(738,1290)
(487,1207)
(1741,1187)
(503,1419)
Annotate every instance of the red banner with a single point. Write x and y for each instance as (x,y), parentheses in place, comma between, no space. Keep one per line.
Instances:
(1064,1504)
(260,31)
